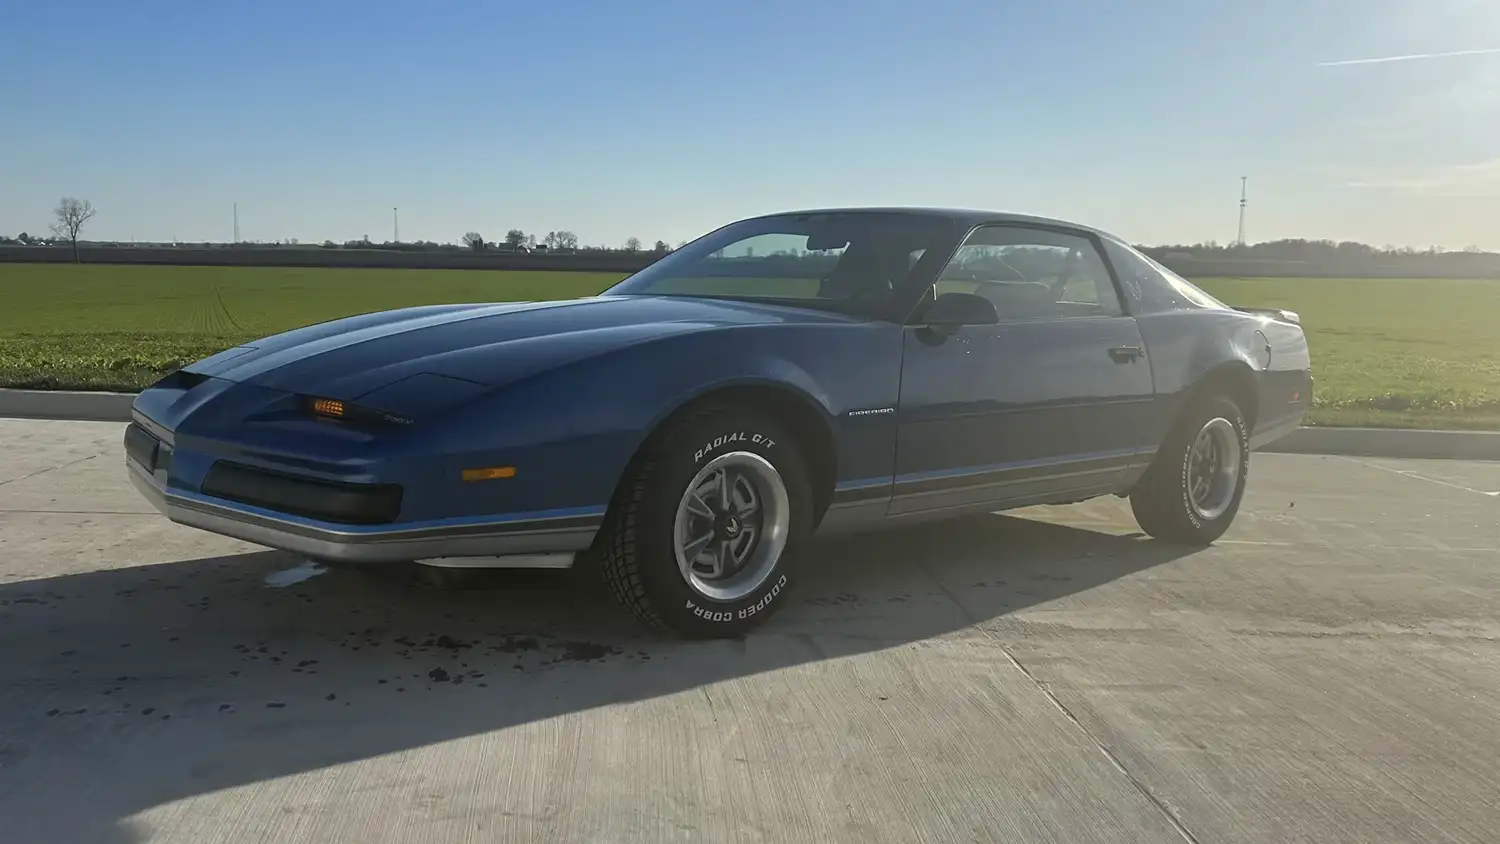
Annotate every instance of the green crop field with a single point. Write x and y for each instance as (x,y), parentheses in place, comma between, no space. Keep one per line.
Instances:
(103,327)
(1386,352)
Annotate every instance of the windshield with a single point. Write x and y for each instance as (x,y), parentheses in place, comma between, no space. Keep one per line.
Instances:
(854,262)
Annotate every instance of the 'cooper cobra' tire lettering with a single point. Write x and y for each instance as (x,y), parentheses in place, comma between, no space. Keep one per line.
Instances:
(764,599)
(1186,499)
(744,612)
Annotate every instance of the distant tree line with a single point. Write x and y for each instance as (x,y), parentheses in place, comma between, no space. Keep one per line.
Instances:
(1328,257)
(517,240)
(70,215)
(1277,257)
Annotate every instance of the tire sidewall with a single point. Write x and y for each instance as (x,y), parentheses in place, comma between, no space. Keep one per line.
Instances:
(1208,411)
(678,460)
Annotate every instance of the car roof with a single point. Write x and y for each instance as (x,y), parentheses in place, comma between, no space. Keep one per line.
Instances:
(962,216)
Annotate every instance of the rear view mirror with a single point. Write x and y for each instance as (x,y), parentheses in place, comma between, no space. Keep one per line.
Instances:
(952,310)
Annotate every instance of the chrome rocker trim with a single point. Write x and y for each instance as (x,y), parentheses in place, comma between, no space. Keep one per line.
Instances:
(322,541)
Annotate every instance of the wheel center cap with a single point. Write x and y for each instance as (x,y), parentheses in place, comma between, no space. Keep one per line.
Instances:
(731,526)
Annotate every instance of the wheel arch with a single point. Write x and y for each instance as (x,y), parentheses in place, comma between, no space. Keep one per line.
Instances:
(1232,378)
(809,423)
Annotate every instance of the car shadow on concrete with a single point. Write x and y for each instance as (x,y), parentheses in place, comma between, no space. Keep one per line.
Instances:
(126,689)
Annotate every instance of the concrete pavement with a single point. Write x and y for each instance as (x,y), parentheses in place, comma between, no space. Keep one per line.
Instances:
(1328,672)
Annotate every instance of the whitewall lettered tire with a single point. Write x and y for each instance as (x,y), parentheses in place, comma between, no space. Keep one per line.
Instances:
(698,540)
(1193,489)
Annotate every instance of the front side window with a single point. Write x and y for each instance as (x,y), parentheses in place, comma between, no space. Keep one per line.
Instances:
(855,262)
(1030,273)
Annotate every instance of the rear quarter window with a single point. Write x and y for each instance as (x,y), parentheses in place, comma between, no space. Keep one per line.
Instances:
(1150,287)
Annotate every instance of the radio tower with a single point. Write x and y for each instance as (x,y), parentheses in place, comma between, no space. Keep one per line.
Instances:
(237,223)
(1240,241)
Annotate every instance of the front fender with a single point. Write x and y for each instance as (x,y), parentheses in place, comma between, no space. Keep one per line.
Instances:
(571,431)
(761,370)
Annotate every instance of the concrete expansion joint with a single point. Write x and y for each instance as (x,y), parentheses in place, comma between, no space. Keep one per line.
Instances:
(1135,782)
(1140,787)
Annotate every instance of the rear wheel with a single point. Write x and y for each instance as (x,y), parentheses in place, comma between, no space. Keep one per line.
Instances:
(697,541)
(1193,489)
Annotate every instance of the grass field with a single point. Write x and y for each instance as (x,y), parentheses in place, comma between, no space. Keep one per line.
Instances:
(1423,353)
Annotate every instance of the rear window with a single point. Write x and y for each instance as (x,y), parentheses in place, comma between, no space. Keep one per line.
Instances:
(1150,287)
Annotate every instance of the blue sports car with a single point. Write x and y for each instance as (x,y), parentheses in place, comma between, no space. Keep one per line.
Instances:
(785,375)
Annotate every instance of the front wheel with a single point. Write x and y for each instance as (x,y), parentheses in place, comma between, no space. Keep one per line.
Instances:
(1193,489)
(697,542)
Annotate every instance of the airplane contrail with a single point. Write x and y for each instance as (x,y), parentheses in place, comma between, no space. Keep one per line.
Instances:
(1384,59)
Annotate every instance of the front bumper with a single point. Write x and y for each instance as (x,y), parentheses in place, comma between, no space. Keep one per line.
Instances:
(512,536)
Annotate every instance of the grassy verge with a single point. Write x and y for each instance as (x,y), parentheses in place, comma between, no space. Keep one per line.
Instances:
(1394,353)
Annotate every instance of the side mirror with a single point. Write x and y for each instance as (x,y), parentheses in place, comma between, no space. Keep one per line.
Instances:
(952,310)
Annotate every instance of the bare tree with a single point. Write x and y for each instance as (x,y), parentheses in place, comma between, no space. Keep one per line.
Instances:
(71,215)
(561,240)
(633,244)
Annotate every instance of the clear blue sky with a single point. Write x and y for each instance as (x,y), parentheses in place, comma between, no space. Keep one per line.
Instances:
(665,118)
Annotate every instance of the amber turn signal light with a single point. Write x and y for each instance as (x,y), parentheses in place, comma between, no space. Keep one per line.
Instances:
(328,407)
(489,473)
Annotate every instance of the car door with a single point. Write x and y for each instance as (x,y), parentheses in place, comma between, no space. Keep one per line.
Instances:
(1051,403)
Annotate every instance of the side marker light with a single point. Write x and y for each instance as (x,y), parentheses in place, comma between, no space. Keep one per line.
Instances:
(489,473)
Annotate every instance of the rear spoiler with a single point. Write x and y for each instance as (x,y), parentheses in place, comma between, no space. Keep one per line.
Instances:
(1274,313)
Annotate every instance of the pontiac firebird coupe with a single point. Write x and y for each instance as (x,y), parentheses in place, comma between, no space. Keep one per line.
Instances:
(782,376)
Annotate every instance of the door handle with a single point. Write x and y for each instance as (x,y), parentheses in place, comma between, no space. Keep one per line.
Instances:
(1126,354)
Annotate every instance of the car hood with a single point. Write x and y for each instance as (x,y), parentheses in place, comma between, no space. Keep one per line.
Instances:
(488,344)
